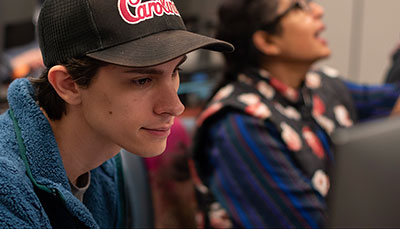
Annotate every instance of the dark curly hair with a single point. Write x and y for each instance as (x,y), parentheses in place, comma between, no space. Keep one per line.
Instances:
(238,21)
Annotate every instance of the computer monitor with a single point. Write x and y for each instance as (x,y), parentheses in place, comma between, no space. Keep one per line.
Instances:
(365,185)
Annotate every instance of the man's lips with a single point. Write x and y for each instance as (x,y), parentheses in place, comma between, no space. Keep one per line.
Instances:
(159,131)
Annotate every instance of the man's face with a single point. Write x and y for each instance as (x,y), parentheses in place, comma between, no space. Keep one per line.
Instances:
(133,108)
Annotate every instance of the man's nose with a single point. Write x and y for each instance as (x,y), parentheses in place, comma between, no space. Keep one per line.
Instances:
(169,102)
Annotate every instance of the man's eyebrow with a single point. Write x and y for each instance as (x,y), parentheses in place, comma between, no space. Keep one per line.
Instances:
(152,70)
(145,71)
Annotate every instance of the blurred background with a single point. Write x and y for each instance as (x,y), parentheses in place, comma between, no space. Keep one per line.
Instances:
(361,33)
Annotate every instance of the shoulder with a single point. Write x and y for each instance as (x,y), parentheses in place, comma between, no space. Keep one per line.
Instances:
(323,74)
(8,145)
(238,119)
(229,124)
(327,80)
(13,179)
(19,205)
(5,124)
(239,98)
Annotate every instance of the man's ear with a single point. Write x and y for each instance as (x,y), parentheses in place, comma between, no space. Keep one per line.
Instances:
(265,43)
(64,85)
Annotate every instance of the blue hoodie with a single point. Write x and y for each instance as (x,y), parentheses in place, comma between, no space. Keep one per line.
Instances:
(41,167)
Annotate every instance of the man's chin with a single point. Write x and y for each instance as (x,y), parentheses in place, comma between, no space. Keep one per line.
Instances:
(154,152)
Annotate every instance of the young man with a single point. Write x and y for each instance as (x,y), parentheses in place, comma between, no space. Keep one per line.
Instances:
(110,83)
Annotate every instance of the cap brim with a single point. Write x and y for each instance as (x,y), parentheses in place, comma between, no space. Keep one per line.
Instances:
(159,48)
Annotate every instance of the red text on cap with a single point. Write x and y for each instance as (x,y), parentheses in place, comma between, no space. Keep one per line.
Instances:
(145,10)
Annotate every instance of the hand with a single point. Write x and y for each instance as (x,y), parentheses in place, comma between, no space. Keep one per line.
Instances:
(218,216)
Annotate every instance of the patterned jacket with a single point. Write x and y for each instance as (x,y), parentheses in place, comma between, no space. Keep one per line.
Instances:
(264,148)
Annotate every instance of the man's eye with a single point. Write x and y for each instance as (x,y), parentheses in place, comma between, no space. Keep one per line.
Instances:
(141,82)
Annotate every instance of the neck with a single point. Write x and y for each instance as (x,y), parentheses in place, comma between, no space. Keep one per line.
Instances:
(81,151)
(290,73)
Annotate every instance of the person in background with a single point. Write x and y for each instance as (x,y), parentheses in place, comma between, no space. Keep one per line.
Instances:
(262,145)
(110,82)
(393,74)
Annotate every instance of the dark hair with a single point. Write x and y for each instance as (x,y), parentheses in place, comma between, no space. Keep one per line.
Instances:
(238,21)
(82,71)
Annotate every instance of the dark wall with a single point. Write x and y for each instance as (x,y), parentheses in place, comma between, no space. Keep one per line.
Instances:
(199,15)
(16,22)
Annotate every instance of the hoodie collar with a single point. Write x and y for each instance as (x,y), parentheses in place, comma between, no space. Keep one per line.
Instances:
(42,152)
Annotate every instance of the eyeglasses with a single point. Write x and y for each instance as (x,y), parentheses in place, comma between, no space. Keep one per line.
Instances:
(303,5)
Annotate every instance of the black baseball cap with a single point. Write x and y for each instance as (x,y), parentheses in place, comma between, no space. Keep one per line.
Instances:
(135,33)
